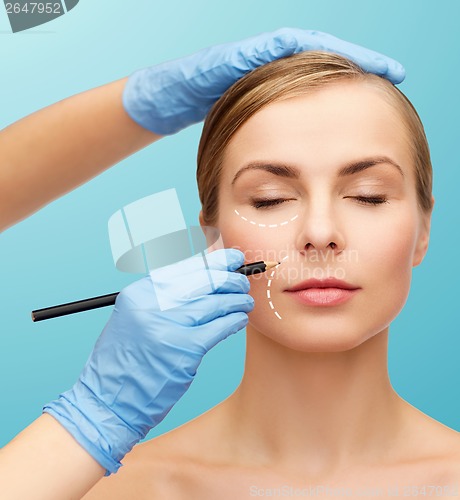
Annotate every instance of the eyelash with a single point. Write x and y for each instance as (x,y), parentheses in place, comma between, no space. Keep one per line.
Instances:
(364,200)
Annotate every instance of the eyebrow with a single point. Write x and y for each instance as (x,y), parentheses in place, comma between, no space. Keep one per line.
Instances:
(291,172)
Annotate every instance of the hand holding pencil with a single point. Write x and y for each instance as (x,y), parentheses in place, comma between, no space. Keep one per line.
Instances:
(109,299)
(150,350)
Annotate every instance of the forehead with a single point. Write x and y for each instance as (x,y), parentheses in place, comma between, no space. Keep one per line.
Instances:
(322,130)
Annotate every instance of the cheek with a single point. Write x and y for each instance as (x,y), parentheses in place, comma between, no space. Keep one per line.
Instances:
(256,244)
(387,249)
(384,268)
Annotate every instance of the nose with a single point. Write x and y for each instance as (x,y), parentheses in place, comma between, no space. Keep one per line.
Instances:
(320,228)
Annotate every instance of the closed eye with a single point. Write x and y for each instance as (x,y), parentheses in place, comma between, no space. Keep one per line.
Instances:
(370,200)
(263,203)
(365,200)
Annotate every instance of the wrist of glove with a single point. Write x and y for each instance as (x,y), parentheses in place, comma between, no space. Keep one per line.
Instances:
(173,95)
(149,352)
(79,411)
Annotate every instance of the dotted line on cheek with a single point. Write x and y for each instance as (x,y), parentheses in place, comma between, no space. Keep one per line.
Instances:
(254,223)
(266,225)
(268,291)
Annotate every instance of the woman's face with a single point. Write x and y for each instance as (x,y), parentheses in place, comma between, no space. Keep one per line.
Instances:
(320,227)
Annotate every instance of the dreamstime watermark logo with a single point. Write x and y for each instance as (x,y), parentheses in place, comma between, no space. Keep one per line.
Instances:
(24,14)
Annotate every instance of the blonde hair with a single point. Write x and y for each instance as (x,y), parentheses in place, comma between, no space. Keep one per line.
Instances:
(288,77)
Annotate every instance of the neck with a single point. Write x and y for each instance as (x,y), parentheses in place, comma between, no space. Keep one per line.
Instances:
(318,411)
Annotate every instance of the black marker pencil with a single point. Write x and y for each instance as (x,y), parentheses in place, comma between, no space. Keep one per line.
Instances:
(109,300)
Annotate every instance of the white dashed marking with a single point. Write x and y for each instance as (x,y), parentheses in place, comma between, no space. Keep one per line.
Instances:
(264,225)
(254,223)
(268,290)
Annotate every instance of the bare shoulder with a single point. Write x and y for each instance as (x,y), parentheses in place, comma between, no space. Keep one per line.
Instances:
(440,447)
(453,457)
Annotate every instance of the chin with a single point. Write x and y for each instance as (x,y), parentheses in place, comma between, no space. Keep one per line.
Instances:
(316,336)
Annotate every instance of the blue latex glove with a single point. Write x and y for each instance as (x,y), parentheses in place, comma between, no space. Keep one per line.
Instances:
(171,96)
(150,350)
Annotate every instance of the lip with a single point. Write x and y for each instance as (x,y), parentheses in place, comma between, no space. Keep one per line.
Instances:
(327,292)
(323,296)
(326,283)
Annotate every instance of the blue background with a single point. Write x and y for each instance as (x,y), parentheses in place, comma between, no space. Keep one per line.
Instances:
(62,253)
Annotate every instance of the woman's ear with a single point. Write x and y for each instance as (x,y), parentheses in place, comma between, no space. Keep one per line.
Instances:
(200,218)
(212,235)
(423,238)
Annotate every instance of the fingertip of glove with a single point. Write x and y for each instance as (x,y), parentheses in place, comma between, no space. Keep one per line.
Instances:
(390,69)
(243,322)
(398,73)
(235,258)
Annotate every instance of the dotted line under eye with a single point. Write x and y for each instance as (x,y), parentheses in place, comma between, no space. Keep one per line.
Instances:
(266,225)
(268,290)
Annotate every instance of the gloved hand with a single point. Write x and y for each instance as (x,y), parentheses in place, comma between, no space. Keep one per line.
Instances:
(150,350)
(173,95)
